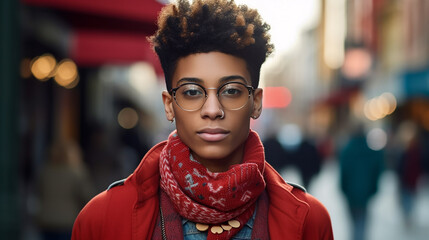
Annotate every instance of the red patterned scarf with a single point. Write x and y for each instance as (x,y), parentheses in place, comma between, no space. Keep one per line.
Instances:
(205,197)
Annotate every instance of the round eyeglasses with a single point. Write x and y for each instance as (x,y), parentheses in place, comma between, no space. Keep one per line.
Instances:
(231,95)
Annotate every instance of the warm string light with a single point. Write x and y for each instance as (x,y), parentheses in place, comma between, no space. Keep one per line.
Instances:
(66,73)
(379,107)
(45,67)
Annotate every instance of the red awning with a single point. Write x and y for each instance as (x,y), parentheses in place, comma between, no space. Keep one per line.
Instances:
(93,48)
(140,10)
(108,32)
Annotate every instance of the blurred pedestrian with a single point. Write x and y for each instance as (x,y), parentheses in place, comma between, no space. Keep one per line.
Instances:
(63,188)
(360,170)
(209,180)
(288,148)
(275,154)
(309,161)
(410,169)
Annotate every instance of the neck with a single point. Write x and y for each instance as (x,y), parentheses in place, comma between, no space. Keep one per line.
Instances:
(221,165)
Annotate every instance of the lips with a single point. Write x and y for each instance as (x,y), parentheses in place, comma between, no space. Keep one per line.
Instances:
(213,134)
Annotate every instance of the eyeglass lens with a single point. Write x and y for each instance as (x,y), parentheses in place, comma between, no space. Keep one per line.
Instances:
(232,96)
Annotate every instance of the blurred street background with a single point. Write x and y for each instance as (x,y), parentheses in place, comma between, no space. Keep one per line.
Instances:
(346,108)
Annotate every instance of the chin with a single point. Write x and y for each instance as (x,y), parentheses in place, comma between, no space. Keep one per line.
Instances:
(212,152)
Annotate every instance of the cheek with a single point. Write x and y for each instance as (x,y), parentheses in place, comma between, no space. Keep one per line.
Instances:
(239,122)
(247,112)
(185,121)
(241,118)
(242,124)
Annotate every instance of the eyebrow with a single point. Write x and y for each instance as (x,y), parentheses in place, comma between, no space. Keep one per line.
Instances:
(221,80)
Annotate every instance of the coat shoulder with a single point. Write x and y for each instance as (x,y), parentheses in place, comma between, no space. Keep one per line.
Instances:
(103,211)
(318,222)
(89,223)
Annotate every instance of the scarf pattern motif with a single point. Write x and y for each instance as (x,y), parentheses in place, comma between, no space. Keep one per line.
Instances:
(202,196)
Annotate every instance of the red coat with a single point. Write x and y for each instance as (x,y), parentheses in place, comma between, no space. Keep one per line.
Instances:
(130,211)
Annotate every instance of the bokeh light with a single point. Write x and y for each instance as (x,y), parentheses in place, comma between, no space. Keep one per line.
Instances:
(357,63)
(390,98)
(128,118)
(66,73)
(379,107)
(276,97)
(376,139)
(43,67)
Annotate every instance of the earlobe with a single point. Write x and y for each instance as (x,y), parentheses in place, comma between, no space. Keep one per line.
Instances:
(167,99)
(257,103)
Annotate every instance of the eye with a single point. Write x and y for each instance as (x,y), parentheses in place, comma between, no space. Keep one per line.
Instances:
(232,90)
(191,91)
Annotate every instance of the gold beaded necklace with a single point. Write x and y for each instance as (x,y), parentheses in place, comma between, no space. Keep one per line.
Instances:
(218,229)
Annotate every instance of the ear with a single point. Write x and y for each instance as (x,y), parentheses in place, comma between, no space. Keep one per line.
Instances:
(257,103)
(167,99)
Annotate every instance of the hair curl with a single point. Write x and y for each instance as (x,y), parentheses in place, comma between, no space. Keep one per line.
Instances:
(211,25)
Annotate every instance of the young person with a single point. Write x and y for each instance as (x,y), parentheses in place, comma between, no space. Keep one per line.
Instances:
(209,180)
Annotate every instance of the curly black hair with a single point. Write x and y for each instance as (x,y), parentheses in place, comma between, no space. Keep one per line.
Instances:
(211,25)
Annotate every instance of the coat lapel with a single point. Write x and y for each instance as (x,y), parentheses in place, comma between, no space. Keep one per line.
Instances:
(286,213)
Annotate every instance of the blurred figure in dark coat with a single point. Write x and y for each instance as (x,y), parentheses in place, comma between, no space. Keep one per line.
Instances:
(288,148)
(410,168)
(360,170)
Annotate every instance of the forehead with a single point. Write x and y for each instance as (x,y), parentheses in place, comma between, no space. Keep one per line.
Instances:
(210,68)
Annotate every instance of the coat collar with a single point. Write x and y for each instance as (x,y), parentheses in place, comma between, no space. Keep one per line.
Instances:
(146,176)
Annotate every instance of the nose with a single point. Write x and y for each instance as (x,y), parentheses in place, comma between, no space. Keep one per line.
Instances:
(212,108)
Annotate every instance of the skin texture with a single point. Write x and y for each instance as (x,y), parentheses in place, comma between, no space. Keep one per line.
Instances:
(215,142)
